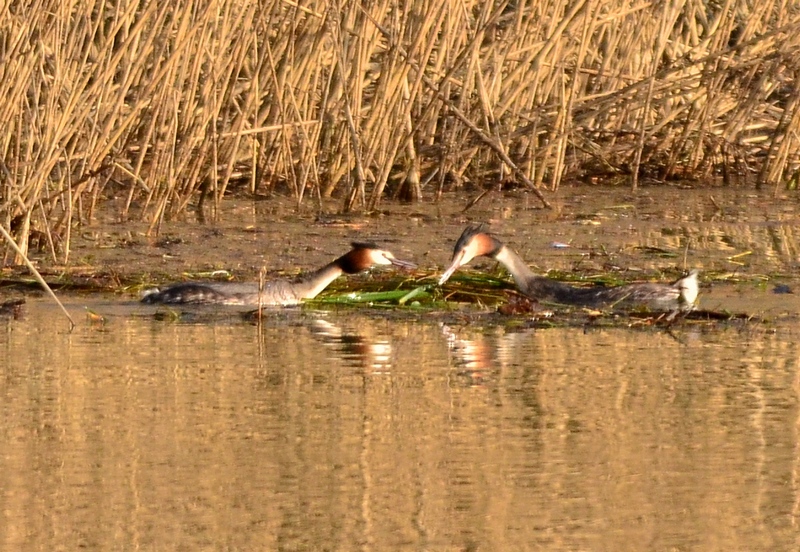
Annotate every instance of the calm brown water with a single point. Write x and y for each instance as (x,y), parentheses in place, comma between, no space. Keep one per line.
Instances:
(347,430)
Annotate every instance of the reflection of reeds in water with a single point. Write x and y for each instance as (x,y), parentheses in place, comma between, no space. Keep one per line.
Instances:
(162,104)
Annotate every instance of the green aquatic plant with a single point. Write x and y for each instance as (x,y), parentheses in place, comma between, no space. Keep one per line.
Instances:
(371,297)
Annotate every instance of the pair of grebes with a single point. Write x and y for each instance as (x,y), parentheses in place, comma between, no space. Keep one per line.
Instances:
(474,242)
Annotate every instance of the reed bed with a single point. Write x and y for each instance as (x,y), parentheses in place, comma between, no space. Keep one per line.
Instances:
(168,106)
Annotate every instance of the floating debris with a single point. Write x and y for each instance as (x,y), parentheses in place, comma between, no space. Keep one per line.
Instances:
(12,308)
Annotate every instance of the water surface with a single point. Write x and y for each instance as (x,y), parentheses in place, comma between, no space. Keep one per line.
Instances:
(346,430)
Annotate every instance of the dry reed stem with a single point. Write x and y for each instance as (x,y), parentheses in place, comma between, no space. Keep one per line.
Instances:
(10,241)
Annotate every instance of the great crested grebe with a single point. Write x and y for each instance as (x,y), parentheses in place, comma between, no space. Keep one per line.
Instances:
(275,292)
(474,242)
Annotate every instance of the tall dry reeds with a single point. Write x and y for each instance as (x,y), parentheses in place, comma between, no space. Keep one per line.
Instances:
(171,103)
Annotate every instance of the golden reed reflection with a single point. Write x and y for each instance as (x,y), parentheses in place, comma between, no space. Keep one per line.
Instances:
(349,431)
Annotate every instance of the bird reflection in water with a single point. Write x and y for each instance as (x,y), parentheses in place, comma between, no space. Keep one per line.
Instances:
(358,350)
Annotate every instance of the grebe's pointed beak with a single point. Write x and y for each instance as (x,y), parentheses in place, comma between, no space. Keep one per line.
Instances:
(458,260)
(397,262)
(401,263)
(368,254)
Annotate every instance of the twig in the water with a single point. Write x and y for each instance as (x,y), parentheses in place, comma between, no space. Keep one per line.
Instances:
(36,274)
(473,202)
(716,205)
(686,253)
(262,282)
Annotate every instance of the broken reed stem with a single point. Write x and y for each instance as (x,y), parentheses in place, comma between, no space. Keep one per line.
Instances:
(36,274)
(495,146)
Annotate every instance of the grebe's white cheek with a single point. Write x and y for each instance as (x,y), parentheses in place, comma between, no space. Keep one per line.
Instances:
(378,257)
